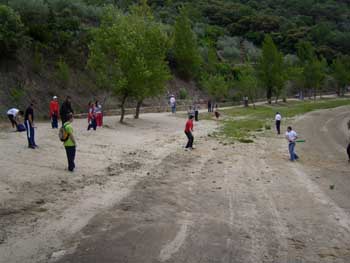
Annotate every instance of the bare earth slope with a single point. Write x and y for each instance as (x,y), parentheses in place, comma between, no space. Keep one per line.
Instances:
(138,197)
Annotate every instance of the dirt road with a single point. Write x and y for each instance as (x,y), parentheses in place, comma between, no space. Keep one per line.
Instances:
(138,197)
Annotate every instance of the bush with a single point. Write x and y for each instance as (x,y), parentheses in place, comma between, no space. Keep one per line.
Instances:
(63,72)
(183,94)
(11,31)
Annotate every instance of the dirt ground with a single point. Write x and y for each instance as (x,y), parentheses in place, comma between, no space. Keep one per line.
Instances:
(137,196)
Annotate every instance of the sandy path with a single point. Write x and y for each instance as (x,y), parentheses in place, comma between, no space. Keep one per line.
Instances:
(42,204)
(220,203)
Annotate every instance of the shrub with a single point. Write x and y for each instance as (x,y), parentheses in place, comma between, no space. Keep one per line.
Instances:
(11,31)
(63,72)
(183,93)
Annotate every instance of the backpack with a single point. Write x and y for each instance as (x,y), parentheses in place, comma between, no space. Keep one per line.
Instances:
(63,134)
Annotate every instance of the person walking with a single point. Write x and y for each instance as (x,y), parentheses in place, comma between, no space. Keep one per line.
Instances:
(278,119)
(188,132)
(54,112)
(291,137)
(91,117)
(98,114)
(66,109)
(29,123)
(11,114)
(70,144)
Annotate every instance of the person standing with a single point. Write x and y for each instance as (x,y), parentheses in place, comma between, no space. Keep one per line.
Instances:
(196,112)
(173,104)
(70,144)
(66,109)
(91,117)
(98,114)
(54,112)
(278,119)
(348,148)
(291,137)
(209,106)
(29,123)
(188,132)
(11,114)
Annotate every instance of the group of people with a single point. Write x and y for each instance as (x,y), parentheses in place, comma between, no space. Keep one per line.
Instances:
(95,116)
(24,121)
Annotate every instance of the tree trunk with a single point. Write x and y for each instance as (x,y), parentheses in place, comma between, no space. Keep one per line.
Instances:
(269,94)
(138,107)
(122,109)
(276,100)
(315,94)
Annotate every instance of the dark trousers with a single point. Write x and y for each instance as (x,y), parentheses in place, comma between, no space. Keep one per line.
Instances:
(54,121)
(209,108)
(190,139)
(63,119)
(92,124)
(30,134)
(196,114)
(348,151)
(278,127)
(12,120)
(70,151)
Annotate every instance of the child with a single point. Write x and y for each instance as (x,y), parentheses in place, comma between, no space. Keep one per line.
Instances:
(216,112)
(91,117)
(19,121)
(291,137)
(188,132)
(98,114)
(70,144)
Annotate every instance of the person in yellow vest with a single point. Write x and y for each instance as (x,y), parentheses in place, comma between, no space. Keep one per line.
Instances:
(70,144)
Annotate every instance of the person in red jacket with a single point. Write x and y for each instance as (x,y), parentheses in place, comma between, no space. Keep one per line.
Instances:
(188,132)
(54,112)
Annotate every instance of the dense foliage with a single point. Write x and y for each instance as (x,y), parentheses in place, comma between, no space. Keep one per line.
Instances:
(275,45)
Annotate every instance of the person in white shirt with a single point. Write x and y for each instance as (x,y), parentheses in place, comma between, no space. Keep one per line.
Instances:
(278,119)
(11,114)
(291,137)
(173,104)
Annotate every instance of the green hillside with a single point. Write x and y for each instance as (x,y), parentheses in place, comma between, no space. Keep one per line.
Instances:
(230,49)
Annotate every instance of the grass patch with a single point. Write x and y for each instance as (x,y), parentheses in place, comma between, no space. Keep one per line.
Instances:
(240,123)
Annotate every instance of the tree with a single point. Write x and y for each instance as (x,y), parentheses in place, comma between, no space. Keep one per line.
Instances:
(248,82)
(11,31)
(186,53)
(314,74)
(155,55)
(341,73)
(128,56)
(270,69)
(215,85)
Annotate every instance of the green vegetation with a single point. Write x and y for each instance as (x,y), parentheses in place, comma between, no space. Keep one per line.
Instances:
(239,123)
(128,55)
(230,48)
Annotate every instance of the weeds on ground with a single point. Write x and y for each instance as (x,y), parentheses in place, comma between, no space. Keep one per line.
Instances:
(240,123)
